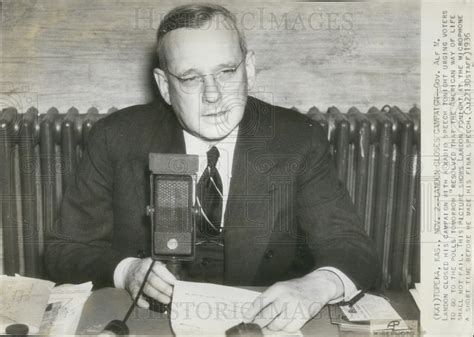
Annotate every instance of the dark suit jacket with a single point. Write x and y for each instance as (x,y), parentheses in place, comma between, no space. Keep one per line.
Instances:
(287,213)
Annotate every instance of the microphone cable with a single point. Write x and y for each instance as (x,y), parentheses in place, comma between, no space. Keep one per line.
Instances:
(119,327)
(140,291)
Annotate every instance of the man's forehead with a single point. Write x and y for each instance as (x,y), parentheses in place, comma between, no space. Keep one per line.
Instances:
(207,44)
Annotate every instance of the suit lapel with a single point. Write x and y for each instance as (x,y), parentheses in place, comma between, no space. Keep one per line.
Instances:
(165,136)
(168,135)
(247,216)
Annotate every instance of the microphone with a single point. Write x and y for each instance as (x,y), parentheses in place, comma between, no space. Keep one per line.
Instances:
(172,214)
(172,195)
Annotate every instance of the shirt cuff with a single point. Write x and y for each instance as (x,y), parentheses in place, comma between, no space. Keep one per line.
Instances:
(121,270)
(350,290)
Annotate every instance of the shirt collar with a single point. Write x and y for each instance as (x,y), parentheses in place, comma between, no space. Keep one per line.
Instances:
(198,146)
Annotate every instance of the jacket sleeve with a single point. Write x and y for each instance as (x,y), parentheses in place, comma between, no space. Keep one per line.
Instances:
(78,247)
(329,219)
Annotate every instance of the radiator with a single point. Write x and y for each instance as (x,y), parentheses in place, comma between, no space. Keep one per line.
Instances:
(376,154)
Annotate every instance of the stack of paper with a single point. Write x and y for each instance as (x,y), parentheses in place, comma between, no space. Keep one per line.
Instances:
(43,308)
(371,313)
(64,309)
(23,300)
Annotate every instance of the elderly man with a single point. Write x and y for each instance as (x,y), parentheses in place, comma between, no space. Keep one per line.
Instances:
(280,219)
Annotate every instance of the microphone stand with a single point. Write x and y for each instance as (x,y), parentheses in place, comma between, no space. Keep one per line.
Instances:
(175,267)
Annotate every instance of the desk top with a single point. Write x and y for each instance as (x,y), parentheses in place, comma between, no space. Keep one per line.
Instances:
(108,304)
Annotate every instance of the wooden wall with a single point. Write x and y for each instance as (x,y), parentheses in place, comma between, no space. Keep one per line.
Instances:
(100,53)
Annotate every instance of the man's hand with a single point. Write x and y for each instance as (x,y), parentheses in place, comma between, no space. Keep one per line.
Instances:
(158,286)
(290,304)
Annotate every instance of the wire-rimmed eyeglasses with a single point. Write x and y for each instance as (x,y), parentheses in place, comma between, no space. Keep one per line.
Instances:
(194,81)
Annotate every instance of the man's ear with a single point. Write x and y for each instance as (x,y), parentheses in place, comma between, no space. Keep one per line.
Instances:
(162,82)
(250,68)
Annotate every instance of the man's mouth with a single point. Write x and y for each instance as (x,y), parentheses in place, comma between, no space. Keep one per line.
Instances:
(216,115)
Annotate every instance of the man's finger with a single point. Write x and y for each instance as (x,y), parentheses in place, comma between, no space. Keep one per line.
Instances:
(266,316)
(294,325)
(160,285)
(156,294)
(279,323)
(162,272)
(263,300)
(142,303)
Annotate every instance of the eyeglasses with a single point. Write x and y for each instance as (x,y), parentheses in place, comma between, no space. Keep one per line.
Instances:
(194,81)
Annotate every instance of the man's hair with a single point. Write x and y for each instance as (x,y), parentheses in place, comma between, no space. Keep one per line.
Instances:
(195,16)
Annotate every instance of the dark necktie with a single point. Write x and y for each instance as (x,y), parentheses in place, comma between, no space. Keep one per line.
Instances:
(209,193)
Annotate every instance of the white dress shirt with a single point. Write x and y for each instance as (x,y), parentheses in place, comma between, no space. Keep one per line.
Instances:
(197,146)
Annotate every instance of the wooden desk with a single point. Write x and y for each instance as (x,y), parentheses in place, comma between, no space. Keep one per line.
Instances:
(108,304)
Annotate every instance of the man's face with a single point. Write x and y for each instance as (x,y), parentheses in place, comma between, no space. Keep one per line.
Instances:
(211,108)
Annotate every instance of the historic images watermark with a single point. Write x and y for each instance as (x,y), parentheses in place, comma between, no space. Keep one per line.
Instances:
(148,18)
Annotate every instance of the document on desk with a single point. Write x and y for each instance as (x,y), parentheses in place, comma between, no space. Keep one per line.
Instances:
(64,309)
(376,311)
(210,309)
(22,300)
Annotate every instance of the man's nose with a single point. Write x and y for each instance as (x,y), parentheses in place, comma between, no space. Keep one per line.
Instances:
(212,92)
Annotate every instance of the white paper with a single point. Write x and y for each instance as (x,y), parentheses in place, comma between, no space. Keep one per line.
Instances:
(209,309)
(64,309)
(377,311)
(22,300)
